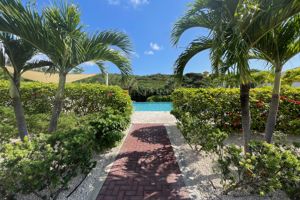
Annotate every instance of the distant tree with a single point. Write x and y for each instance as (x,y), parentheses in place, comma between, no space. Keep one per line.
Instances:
(291,76)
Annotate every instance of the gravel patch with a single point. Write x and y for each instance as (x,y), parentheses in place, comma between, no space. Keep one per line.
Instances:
(198,172)
(152,117)
(90,187)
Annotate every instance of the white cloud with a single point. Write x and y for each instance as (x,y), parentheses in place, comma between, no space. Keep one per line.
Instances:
(149,53)
(133,3)
(89,63)
(136,3)
(114,2)
(154,46)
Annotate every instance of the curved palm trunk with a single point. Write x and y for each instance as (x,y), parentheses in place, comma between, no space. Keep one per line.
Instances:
(58,103)
(18,107)
(246,116)
(274,105)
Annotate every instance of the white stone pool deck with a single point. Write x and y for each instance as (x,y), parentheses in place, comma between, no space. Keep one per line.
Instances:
(152,117)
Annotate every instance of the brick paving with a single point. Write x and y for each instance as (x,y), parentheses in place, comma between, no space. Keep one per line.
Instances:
(146,168)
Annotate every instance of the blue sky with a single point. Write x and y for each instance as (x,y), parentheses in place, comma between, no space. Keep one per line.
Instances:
(148,23)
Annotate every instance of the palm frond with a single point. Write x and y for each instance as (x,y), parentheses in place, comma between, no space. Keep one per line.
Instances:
(197,46)
(36,64)
(187,22)
(113,38)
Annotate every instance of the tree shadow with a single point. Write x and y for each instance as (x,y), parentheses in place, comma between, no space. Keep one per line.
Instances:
(147,174)
(152,135)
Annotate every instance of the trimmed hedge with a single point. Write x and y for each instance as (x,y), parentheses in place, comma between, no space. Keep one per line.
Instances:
(222,106)
(81,99)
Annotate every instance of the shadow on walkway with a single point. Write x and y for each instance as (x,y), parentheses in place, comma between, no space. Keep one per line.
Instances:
(146,168)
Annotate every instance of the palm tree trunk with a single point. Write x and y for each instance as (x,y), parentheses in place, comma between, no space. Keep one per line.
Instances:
(274,105)
(18,107)
(58,103)
(246,116)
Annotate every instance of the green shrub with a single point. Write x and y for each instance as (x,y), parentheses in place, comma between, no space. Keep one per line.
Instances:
(222,106)
(108,128)
(39,123)
(46,162)
(201,135)
(159,98)
(8,128)
(81,99)
(36,123)
(265,169)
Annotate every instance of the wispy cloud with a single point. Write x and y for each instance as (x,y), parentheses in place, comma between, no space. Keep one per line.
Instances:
(89,63)
(136,55)
(149,53)
(154,46)
(114,2)
(137,3)
(132,3)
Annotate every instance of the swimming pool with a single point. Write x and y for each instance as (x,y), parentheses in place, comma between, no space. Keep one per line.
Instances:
(152,106)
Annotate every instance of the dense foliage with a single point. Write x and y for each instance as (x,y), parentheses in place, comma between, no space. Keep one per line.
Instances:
(107,127)
(200,134)
(266,168)
(46,163)
(143,87)
(291,76)
(81,99)
(221,106)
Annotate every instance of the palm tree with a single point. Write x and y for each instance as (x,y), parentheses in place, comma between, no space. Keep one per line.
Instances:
(278,47)
(58,34)
(235,27)
(19,54)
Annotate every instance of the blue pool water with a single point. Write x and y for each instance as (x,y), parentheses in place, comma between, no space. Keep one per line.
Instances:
(152,106)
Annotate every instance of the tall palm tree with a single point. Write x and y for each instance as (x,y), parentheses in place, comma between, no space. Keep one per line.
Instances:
(278,47)
(58,34)
(235,26)
(19,54)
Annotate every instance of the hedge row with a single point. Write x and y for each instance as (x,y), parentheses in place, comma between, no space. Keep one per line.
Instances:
(81,99)
(222,106)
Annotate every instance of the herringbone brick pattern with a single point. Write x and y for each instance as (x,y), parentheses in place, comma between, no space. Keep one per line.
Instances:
(146,168)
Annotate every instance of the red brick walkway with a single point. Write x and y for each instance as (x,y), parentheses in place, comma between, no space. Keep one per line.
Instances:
(145,168)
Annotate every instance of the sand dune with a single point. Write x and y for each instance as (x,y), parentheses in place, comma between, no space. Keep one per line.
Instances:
(50,78)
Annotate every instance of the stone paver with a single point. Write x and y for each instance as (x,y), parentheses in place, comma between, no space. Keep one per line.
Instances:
(146,168)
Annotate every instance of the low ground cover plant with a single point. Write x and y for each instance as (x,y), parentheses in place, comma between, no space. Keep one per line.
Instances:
(266,168)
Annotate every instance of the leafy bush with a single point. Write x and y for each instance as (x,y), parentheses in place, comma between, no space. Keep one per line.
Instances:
(39,123)
(108,128)
(46,164)
(81,99)
(8,128)
(222,106)
(158,98)
(265,169)
(201,134)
